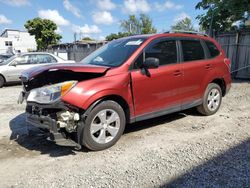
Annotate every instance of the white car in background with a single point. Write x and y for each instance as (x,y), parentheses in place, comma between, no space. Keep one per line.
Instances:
(11,69)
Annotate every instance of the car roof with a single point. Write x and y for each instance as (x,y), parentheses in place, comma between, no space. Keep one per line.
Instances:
(184,34)
(31,53)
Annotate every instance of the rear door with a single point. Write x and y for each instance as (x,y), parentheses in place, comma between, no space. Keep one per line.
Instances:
(43,59)
(195,67)
(158,91)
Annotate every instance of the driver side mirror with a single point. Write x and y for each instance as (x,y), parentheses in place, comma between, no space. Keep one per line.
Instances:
(151,63)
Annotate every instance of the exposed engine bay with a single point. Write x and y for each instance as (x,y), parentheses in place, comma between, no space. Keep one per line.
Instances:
(50,77)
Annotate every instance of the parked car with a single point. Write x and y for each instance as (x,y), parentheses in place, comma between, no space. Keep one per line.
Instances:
(11,69)
(127,80)
(4,57)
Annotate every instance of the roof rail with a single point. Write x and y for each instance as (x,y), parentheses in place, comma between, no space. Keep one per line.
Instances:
(187,32)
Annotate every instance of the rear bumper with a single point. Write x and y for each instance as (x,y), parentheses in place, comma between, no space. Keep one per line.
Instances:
(228,82)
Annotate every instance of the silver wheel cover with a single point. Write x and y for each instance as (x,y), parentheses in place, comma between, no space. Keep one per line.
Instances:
(213,99)
(105,126)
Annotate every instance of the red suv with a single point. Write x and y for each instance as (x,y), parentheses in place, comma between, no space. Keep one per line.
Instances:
(127,80)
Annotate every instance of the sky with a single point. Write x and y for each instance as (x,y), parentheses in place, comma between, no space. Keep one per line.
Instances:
(94,18)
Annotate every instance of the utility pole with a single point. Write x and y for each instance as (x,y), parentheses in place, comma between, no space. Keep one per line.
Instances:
(75,37)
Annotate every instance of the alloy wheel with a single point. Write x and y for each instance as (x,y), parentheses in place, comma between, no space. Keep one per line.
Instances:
(213,99)
(105,126)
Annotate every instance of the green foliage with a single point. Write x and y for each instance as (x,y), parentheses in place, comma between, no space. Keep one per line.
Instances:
(87,39)
(185,25)
(44,31)
(133,26)
(118,35)
(146,25)
(141,25)
(225,13)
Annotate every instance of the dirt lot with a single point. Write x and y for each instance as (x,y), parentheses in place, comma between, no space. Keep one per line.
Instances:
(179,150)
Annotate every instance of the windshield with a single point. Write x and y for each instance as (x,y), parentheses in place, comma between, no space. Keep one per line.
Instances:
(7,61)
(114,53)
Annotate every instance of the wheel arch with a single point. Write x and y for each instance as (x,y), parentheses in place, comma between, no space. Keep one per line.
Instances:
(116,98)
(3,77)
(221,82)
(4,80)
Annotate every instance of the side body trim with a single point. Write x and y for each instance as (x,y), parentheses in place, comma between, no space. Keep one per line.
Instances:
(166,111)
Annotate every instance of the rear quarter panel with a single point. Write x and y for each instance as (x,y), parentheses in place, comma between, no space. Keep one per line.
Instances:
(220,68)
(219,71)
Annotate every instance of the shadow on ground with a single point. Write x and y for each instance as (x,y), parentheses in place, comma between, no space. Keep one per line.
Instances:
(12,84)
(157,121)
(229,169)
(33,138)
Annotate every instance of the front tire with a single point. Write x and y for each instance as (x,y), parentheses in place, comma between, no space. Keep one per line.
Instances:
(1,81)
(211,100)
(104,126)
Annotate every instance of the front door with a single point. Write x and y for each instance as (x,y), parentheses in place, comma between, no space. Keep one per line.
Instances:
(159,90)
(19,65)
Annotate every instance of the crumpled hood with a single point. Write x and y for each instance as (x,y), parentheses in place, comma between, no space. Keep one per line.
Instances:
(76,67)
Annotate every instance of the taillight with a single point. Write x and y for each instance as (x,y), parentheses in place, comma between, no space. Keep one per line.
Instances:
(228,63)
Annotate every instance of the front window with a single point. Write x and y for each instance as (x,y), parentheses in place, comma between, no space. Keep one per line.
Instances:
(114,53)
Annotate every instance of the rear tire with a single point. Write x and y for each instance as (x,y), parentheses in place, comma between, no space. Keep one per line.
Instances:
(1,81)
(211,100)
(104,126)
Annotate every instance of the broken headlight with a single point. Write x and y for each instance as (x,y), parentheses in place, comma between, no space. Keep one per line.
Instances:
(50,93)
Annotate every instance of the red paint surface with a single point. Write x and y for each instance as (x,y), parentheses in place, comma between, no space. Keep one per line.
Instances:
(148,94)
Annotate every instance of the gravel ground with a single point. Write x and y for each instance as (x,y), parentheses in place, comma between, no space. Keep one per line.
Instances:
(179,150)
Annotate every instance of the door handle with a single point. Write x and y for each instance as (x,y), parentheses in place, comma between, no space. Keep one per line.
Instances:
(177,73)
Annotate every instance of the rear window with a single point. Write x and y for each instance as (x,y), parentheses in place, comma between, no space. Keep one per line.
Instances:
(192,50)
(212,49)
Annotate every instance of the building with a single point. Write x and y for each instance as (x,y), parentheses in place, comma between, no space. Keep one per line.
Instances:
(15,41)
(75,51)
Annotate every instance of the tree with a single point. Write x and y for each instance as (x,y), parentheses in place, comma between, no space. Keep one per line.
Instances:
(141,25)
(146,25)
(87,39)
(223,12)
(44,31)
(185,25)
(133,26)
(118,35)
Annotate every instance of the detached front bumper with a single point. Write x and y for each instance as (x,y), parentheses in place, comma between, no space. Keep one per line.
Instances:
(47,117)
(50,124)
(43,122)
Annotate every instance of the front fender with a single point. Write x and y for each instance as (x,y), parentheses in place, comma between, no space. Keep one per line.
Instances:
(87,92)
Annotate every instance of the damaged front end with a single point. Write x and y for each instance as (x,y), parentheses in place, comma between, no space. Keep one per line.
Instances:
(43,92)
